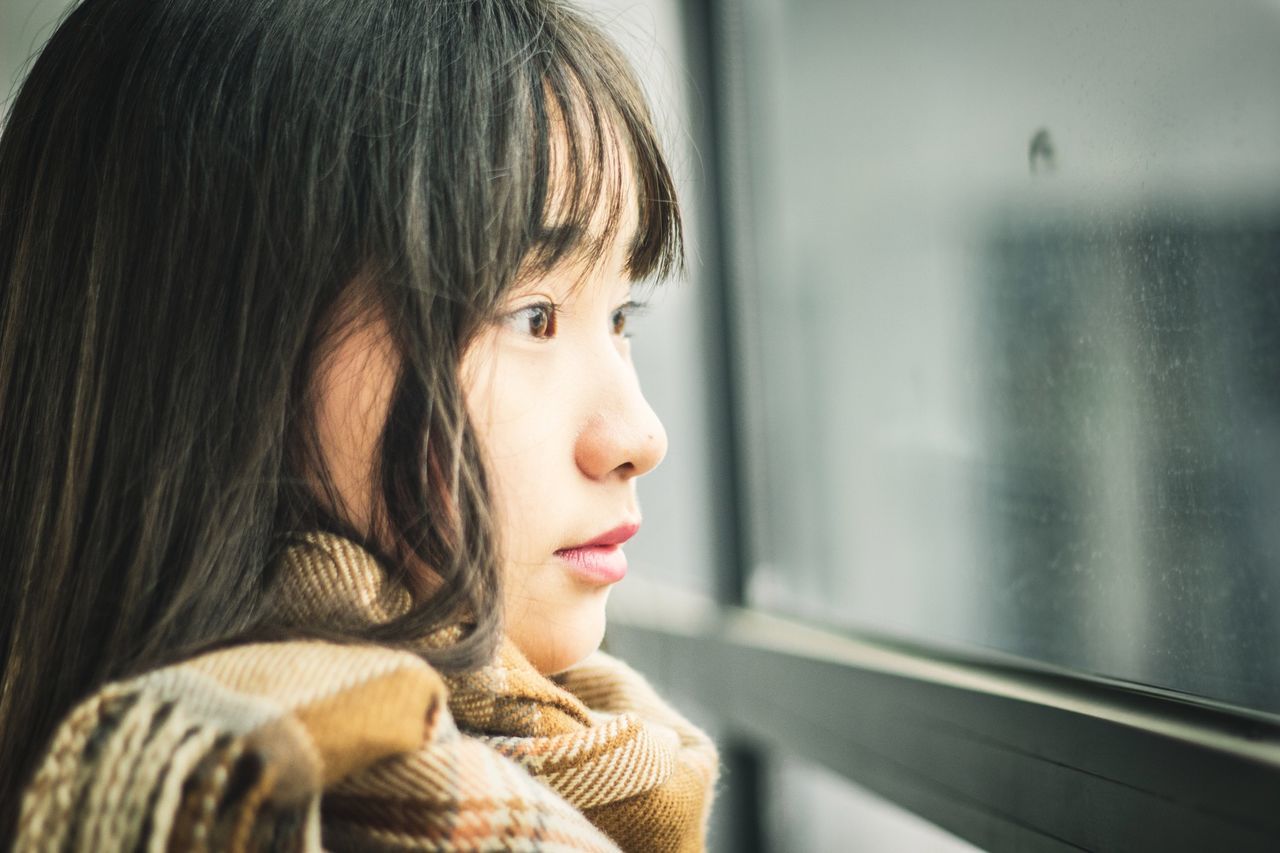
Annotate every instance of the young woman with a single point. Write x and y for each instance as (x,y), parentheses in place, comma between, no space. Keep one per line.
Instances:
(319,432)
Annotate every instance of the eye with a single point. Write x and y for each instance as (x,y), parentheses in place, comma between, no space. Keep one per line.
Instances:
(537,321)
(618,320)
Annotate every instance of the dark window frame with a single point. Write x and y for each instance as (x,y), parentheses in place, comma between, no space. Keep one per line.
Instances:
(1007,756)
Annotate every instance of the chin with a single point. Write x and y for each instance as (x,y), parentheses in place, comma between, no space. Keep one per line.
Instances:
(557,643)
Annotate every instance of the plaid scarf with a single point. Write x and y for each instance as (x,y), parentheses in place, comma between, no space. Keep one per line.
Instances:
(307,745)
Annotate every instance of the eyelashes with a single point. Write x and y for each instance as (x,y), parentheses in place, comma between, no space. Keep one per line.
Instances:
(541,320)
(538,321)
(618,320)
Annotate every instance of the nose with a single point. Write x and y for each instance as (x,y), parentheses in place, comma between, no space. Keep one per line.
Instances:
(622,436)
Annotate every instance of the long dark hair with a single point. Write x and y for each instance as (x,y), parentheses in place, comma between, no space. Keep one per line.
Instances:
(189,193)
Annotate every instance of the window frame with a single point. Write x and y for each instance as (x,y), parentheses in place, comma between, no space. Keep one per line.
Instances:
(1005,755)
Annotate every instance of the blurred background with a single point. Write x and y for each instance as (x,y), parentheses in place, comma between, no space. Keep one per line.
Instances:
(998,287)
(979,346)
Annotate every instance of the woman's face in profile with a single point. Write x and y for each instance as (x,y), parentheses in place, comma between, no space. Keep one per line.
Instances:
(566,431)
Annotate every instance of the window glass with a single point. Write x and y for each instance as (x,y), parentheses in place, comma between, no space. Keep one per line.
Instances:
(1015,321)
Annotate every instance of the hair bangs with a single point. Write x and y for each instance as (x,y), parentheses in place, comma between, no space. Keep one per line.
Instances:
(598,172)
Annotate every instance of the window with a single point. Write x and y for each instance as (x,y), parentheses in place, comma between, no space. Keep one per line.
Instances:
(1015,319)
(995,327)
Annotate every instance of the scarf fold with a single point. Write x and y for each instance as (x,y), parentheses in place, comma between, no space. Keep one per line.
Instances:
(307,745)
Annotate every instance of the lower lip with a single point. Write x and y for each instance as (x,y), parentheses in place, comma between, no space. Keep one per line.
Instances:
(599,565)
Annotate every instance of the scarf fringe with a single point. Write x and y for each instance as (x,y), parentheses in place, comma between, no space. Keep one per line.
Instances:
(129,771)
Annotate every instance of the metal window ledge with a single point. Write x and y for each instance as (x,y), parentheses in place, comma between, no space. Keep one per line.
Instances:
(1008,757)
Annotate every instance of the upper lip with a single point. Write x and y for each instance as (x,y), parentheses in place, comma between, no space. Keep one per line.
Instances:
(616,536)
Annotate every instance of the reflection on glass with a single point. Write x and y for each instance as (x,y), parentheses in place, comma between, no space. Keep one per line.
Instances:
(1017,321)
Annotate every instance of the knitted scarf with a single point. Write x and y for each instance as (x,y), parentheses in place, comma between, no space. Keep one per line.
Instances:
(307,745)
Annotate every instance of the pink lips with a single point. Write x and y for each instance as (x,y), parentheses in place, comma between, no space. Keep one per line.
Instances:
(600,562)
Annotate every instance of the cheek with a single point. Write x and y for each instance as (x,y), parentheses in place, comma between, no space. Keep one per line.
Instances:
(528,445)
(521,453)
(526,441)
